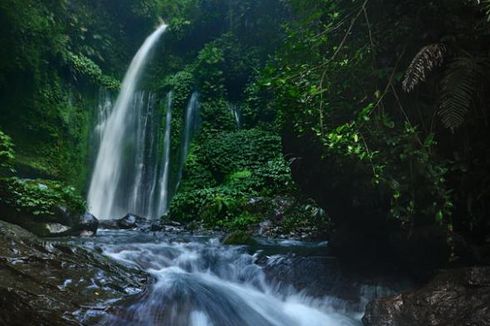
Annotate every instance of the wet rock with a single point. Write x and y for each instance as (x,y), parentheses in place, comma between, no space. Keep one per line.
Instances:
(172,226)
(64,216)
(56,228)
(454,298)
(55,284)
(172,223)
(239,238)
(323,273)
(131,221)
(88,223)
(109,224)
(18,307)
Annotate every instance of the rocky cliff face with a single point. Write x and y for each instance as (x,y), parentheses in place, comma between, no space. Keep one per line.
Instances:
(454,298)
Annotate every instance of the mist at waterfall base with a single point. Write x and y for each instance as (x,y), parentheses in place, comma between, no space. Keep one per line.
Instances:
(197,281)
(131,173)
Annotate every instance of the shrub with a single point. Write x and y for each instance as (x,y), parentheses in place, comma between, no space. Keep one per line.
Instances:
(239,150)
(38,198)
(6,154)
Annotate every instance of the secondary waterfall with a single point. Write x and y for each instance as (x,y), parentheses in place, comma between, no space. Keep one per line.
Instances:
(108,195)
(165,167)
(235,112)
(191,126)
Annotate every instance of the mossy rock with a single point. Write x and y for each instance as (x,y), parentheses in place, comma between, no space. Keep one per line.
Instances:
(44,207)
(239,238)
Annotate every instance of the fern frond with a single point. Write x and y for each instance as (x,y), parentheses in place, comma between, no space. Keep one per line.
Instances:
(428,58)
(486,8)
(458,88)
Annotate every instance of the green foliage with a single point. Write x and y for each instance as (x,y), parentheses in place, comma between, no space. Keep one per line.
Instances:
(41,198)
(215,206)
(305,215)
(86,67)
(209,71)
(231,151)
(337,84)
(182,85)
(239,238)
(7,154)
(196,175)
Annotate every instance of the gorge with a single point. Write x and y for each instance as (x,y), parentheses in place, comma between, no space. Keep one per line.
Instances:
(282,162)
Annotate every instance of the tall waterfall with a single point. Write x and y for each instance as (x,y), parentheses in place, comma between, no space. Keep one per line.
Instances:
(112,172)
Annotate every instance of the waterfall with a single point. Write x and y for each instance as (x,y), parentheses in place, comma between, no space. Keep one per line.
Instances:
(191,126)
(235,111)
(165,166)
(108,195)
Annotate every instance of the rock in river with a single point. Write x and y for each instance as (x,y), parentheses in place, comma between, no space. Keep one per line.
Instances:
(55,284)
(454,298)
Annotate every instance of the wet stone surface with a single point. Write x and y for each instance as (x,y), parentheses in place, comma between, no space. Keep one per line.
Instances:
(57,284)
(454,298)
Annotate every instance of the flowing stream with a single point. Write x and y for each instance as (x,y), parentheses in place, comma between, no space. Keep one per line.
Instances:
(198,281)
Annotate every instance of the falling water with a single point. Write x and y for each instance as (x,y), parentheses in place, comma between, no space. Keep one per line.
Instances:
(191,126)
(165,167)
(235,111)
(108,176)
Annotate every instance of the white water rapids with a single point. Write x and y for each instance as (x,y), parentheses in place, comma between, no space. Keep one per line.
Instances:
(200,282)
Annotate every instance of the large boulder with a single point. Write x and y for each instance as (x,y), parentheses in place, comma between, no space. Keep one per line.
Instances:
(88,224)
(131,221)
(454,298)
(48,283)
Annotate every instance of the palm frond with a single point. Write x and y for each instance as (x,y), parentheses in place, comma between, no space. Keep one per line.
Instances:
(426,60)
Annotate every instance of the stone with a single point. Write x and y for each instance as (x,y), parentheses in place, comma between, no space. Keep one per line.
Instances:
(56,228)
(51,283)
(453,298)
(88,223)
(131,221)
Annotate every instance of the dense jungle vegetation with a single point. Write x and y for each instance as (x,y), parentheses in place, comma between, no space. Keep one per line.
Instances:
(362,121)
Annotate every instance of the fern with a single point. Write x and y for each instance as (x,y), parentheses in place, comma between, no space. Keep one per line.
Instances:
(486,8)
(458,89)
(426,60)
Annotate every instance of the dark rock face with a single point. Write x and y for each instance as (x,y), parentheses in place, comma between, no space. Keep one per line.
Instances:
(131,221)
(316,275)
(454,298)
(88,223)
(48,283)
